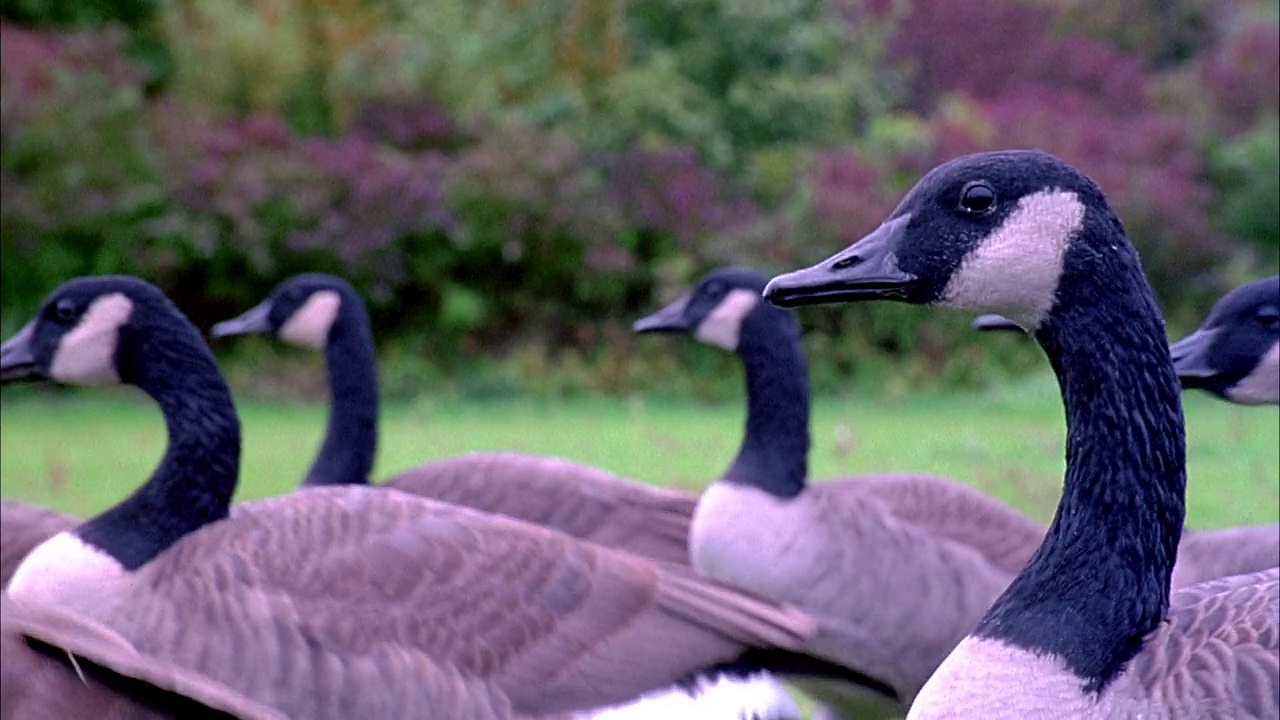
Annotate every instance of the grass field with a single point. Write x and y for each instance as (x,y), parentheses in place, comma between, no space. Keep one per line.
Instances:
(81,452)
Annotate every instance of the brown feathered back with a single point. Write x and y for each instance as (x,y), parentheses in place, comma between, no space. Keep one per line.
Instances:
(366,602)
(576,499)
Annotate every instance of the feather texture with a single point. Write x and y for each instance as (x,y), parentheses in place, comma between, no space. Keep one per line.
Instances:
(379,604)
(575,499)
(59,666)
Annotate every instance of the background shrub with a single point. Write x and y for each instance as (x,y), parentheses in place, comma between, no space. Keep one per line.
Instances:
(510,183)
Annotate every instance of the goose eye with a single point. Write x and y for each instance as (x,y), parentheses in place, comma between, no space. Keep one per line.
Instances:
(64,310)
(1268,317)
(977,198)
(715,289)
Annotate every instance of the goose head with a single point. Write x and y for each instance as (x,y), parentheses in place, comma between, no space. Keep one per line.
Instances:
(715,311)
(986,233)
(1235,354)
(301,310)
(93,331)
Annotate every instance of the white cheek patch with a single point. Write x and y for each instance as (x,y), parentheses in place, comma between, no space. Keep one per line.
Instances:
(310,324)
(1016,269)
(87,354)
(1262,385)
(722,327)
(68,572)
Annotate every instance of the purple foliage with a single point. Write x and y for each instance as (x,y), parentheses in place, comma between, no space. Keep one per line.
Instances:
(987,48)
(850,196)
(672,192)
(1240,76)
(409,123)
(256,185)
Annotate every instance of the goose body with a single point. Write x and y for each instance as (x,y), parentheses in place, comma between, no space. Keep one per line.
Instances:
(1088,628)
(58,665)
(901,595)
(351,601)
(576,499)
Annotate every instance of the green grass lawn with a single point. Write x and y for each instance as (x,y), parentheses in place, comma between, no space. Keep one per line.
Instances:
(81,452)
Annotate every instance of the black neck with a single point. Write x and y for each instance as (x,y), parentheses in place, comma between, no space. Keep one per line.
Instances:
(196,478)
(351,438)
(775,449)
(1100,581)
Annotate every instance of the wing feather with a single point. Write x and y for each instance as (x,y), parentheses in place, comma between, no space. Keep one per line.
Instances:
(346,602)
(578,500)
(1218,655)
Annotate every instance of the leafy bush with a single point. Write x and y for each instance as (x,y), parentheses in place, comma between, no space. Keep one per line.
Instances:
(1246,174)
(745,83)
(509,183)
(76,171)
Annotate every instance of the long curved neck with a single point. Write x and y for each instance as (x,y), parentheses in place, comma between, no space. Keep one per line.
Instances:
(1100,581)
(351,438)
(774,455)
(196,478)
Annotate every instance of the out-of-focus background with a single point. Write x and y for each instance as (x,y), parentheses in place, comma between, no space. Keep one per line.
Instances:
(510,183)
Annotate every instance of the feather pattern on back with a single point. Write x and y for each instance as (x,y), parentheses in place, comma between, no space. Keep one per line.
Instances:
(575,499)
(1229,626)
(379,604)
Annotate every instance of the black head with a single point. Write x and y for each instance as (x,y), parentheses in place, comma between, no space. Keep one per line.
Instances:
(714,310)
(85,331)
(1235,354)
(986,232)
(301,310)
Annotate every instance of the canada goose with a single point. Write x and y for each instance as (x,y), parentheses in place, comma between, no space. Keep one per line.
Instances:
(24,526)
(904,596)
(1087,629)
(325,313)
(346,601)
(1235,354)
(1239,320)
(59,666)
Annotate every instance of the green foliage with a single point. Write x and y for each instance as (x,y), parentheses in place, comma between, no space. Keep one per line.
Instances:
(743,81)
(78,13)
(508,182)
(1246,174)
(76,168)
